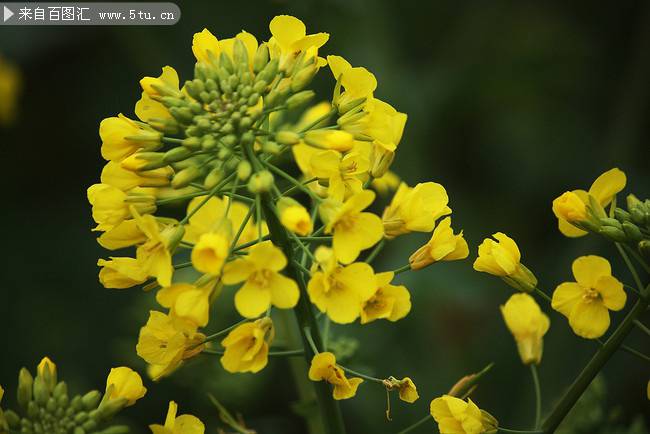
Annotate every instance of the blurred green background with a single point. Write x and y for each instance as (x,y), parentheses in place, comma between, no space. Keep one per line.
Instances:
(510,103)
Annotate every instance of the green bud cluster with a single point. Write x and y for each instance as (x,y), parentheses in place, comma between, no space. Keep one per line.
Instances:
(218,113)
(629,226)
(46,408)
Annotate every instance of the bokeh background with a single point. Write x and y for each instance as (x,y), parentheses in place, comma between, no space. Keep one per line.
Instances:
(510,103)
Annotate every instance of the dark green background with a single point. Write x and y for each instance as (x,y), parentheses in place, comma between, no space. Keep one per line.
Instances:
(509,104)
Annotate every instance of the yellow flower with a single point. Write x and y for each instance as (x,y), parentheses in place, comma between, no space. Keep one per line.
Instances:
(125,383)
(290,38)
(294,216)
(188,302)
(444,245)
(159,86)
(502,258)
(110,205)
(263,284)
(352,229)
(343,174)
(528,324)
(389,301)
(122,137)
(154,255)
(387,183)
(587,301)
(211,251)
(455,416)
(183,424)
(10,85)
(210,217)
(341,291)
(385,126)
(571,207)
(415,209)
(247,346)
(120,273)
(324,367)
(115,175)
(165,341)
(358,82)
(125,234)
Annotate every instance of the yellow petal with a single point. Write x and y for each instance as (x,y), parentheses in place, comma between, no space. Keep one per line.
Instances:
(267,256)
(566,296)
(612,291)
(287,30)
(284,291)
(607,185)
(205,46)
(589,269)
(252,301)
(589,320)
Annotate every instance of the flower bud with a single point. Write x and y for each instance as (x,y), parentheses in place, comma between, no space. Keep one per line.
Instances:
(632,231)
(47,369)
(294,216)
(330,139)
(240,54)
(303,77)
(644,249)
(261,58)
(260,182)
(90,400)
(346,107)
(177,154)
(214,177)
(185,177)
(613,233)
(25,387)
(570,207)
(287,137)
(300,98)
(192,143)
(41,393)
(268,73)
(125,383)
(244,170)
(381,161)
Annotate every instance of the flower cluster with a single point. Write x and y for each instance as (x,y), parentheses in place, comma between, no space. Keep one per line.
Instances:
(283,237)
(48,408)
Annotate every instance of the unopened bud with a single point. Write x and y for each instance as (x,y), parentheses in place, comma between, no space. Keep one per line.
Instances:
(25,387)
(41,393)
(185,177)
(213,178)
(260,182)
(261,58)
(622,215)
(632,231)
(358,102)
(644,249)
(287,137)
(177,154)
(240,54)
(613,233)
(244,170)
(268,73)
(271,147)
(90,400)
(337,140)
(192,143)
(303,77)
(226,63)
(300,98)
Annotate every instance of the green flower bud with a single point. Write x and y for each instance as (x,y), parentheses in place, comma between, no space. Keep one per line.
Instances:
(632,201)
(244,170)
(213,178)
(89,425)
(632,231)
(259,87)
(61,389)
(25,387)
(622,215)
(261,58)
(303,78)
(179,153)
(240,54)
(260,182)
(32,409)
(271,147)
(614,234)
(300,98)
(182,114)
(610,222)
(173,235)
(287,137)
(226,63)
(13,420)
(79,430)
(109,408)
(185,177)
(355,103)
(490,424)
(209,143)
(41,392)
(230,140)
(91,399)
(637,214)
(269,72)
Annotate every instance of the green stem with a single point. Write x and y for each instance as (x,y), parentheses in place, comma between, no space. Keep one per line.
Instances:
(212,192)
(295,187)
(360,375)
(373,254)
(518,431)
(538,395)
(224,331)
(292,180)
(638,258)
(402,269)
(543,295)
(592,369)
(415,425)
(642,327)
(318,121)
(630,267)
(332,417)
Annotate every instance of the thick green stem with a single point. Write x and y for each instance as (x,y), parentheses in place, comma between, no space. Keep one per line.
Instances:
(593,368)
(416,424)
(332,417)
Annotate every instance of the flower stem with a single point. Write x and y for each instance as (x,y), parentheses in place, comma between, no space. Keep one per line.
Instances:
(517,431)
(594,366)
(415,425)
(332,417)
(373,254)
(402,269)
(360,375)
(538,395)
(642,327)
